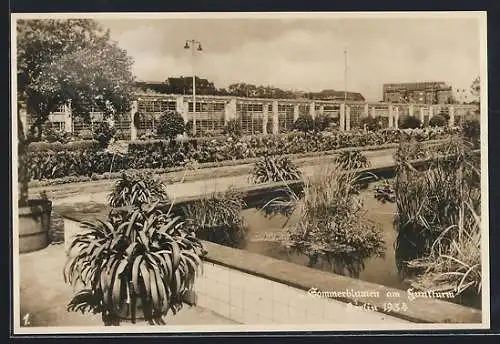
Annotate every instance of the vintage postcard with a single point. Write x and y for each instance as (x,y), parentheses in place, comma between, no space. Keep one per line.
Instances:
(229,172)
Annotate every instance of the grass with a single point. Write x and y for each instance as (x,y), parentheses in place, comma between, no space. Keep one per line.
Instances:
(333,229)
(438,222)
(217,217)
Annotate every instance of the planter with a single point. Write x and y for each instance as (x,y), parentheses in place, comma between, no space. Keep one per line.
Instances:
(34,224)
(190,298)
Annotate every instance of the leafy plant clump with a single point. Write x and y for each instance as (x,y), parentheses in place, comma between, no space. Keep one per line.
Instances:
(135,188)
(217,218)
(51,135)
(333,229)
(350,160)
(135,265)
(384,191)
(170,125)
(274,169)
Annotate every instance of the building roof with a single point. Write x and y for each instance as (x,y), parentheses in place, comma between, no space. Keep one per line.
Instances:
(336,95)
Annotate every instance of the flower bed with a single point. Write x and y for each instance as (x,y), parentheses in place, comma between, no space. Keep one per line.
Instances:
(159,154)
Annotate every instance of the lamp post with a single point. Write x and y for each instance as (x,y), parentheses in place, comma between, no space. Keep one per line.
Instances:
(191,44)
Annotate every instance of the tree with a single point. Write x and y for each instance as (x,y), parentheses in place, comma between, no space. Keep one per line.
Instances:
(170,125)
(476,88)
(304,123)
(70,62)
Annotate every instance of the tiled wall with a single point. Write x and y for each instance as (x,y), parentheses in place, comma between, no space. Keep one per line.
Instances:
(250,299)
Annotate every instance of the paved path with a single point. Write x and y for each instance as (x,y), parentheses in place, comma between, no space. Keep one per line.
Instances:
(44,295)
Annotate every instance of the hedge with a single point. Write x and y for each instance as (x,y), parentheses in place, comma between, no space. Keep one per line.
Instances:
(59,147)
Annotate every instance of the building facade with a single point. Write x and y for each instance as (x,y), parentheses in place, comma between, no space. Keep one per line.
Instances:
(418,92)
(256,116)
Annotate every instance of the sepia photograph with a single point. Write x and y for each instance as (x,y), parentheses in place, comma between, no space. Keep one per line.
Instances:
(235,172)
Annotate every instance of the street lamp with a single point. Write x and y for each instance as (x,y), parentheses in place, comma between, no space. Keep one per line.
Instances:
(191,44)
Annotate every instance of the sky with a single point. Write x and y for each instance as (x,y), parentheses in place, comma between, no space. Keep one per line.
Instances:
(305,53)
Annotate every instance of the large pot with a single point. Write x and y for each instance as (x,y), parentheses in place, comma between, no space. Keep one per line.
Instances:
(34,224)
(189,298)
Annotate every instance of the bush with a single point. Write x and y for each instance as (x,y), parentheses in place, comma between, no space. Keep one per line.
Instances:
(103,133)
(136,188)
(409,122)
(304,123)
(170,125)
(372,123)
(217,218)
(274,169)
(322,122)
(438,121)
(58,147)
(233,128)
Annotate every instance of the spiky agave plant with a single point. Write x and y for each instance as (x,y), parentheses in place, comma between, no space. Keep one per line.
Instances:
(350,160)
(135,188)
(135,265)
(274,169)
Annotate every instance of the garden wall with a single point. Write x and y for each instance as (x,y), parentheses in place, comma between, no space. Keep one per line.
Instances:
(254,289)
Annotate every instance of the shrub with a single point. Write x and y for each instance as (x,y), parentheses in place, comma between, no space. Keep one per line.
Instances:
(233,128)
(140,264)
(350,160)
(372,123)
(217,218)
(333,228)
(274,169)
(304,123)
(58,147)
(321,122)
(136,188)
(170,125)
(103,133)
(437,121)
(409,122)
